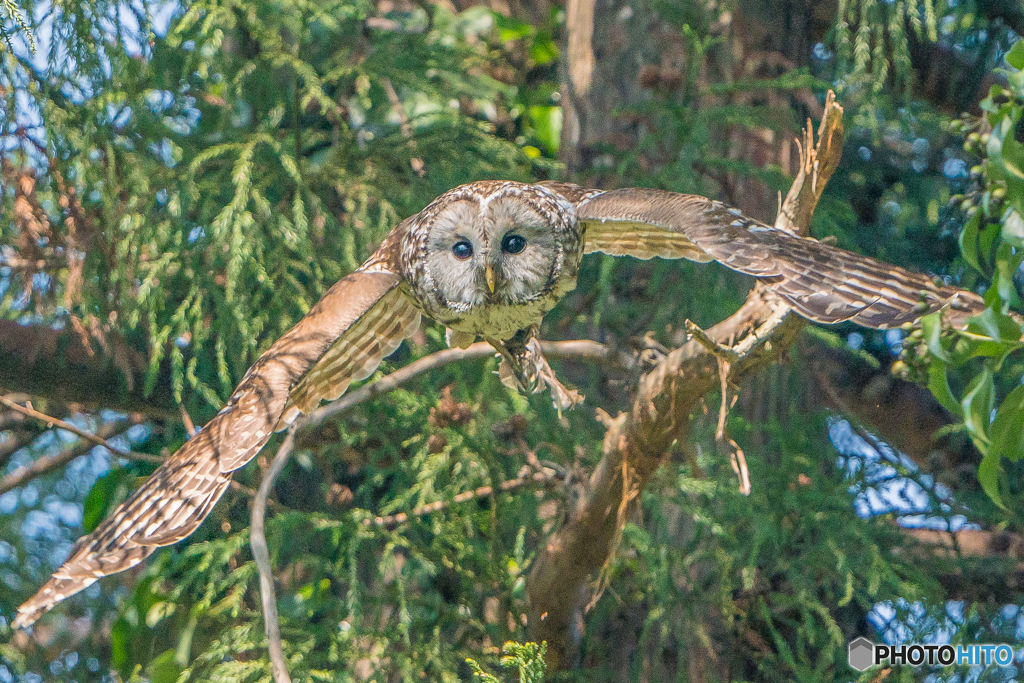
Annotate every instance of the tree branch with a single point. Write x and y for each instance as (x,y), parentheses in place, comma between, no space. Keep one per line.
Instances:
(41,466)
(579,348)
(260,553)
(985,566)
(905,415)
(637,442)
(41,361)
(567,349)
(88,436)
(545,477)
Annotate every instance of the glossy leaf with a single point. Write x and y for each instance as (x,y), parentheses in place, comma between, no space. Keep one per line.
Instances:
(938,384)
(977,407)
(1008,427)
(931,326)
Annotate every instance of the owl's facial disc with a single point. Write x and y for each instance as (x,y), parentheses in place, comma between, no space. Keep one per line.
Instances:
(523,250)
(492,250)
(457,251)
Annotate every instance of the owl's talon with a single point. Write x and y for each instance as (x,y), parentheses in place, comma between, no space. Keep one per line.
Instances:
(524,368)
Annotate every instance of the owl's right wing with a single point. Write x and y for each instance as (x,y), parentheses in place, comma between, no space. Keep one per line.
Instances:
(362,318)
(821,282)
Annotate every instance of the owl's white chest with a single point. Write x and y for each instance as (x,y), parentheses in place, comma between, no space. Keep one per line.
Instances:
(500,319)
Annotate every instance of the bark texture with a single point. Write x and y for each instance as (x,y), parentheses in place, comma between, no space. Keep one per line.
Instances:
(637,442)
(63,365)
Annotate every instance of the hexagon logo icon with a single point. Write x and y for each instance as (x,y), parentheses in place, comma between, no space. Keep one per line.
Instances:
(860,653)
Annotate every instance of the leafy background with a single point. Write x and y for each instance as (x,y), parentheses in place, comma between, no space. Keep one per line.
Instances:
(181,183)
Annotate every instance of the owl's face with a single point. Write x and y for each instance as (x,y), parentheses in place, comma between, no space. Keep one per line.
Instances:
(496,249)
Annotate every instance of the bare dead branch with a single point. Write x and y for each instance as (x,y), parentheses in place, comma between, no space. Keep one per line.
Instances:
(637,442)
(580,348)
(41,466)
(260,553)
(88,436)
(544,477)
(817,164)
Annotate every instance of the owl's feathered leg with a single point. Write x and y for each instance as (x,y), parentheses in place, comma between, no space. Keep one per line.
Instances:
(524,368)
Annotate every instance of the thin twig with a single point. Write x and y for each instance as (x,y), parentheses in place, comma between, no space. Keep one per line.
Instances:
(186,419)
(41,466)
(720,351)
(89,436)
(580,348)
(260,553)
(252,493)
(569,349)
(546,477)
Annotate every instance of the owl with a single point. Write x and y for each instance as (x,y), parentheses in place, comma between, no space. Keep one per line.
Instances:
(487,260)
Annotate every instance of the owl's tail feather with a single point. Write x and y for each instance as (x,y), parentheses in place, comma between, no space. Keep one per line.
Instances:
(57,589)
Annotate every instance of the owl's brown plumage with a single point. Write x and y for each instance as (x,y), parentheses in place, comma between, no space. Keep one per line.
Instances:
(486,259)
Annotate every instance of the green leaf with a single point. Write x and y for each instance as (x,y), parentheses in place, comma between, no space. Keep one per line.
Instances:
(1013,228)
(988,476)
(1015,57)
(938,384)
(98,500)
(993,324)
(158,612)
(544,49)
(969,241)
(547,126)
(120,639)
(931,326)
(977,404)
(1008,427)
(163,668)
(510,29)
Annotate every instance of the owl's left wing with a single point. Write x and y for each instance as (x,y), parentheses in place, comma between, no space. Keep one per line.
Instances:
(821,282)
(343,338)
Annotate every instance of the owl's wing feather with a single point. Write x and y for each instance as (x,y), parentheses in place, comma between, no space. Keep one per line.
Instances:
(360,320)
(356,355)
(821,282)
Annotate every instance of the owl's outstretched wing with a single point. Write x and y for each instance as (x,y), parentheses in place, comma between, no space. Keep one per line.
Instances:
(821,282)
(343,338)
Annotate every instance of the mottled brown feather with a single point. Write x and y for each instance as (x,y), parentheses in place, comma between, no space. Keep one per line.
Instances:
(821,282)
(172,503)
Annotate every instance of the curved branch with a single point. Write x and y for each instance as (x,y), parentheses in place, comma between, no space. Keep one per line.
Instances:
(637,442)
(568,349)
(41,466)
(579,348)
(260,553)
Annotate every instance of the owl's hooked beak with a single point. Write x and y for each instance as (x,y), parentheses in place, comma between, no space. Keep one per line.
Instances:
(489,276)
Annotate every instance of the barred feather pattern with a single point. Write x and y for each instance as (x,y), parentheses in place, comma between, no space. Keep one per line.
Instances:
(366,315)
(363,318)
(355,356)
(821,282)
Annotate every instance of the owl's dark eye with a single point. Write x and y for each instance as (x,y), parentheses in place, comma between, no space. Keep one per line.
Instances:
(462,250)
(513,244)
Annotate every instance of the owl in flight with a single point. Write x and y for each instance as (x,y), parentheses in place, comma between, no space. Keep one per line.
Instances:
(487,259)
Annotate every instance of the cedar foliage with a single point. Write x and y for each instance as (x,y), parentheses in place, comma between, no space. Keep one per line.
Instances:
(196,190)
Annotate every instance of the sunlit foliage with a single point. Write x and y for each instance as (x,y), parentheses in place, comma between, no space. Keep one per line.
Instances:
(194,177)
